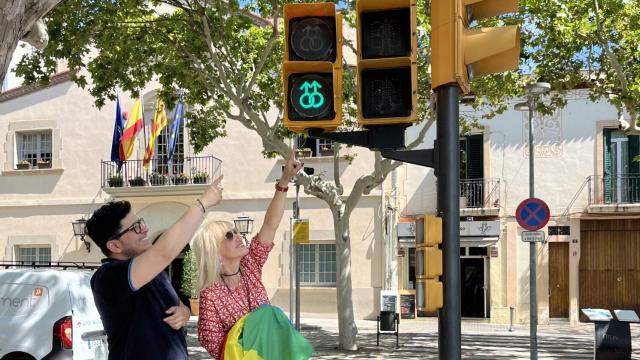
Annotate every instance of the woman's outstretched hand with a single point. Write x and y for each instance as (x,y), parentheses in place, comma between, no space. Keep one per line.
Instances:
(292,167)
(213,195)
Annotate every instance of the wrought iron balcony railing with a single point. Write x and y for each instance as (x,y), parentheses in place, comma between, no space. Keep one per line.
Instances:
(607,189)
(191,170)
(480,193)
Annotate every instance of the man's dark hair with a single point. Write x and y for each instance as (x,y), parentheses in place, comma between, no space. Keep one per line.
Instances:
(105,222)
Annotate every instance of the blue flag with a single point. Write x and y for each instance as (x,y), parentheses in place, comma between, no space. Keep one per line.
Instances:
(175,130)
(117,134)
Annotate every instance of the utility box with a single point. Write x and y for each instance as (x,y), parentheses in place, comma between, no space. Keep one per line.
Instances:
(612,336)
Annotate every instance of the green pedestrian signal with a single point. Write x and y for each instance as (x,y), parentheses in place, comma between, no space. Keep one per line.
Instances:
(311,96)
(313,99)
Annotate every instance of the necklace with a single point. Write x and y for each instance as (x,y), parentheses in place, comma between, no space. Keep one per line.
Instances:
(246,289)
(235,273)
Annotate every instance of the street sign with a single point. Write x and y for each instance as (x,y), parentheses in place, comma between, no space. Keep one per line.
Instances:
(301,231)
(532,214)
(532,236)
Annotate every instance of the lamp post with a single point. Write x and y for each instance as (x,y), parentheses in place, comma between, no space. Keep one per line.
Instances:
(244,225)
(533,91)
(80,229)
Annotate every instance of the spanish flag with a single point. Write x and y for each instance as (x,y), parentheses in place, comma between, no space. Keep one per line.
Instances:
(134,124)
(159,122)
(265,334)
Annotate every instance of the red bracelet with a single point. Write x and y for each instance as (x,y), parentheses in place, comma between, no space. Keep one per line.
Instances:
(280,188)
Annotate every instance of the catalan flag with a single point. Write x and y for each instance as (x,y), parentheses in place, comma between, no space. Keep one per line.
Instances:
(159,122)
(265,334)
(134,124)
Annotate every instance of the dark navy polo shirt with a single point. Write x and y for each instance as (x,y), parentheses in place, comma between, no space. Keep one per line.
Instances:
(132,318)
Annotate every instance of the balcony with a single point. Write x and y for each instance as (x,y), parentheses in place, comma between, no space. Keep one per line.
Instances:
(192,174)
(480,197)
(614,194)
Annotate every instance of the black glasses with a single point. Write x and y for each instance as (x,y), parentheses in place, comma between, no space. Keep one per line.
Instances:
(136,227)
(230,234)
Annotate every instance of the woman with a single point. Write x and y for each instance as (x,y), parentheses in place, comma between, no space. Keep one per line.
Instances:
(229,273)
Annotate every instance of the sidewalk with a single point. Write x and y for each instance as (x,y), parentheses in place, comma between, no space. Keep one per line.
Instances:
(419,340)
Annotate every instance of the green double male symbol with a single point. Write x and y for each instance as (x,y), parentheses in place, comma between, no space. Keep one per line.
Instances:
(311,97)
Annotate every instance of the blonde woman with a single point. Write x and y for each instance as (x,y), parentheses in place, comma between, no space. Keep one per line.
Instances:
(229,273)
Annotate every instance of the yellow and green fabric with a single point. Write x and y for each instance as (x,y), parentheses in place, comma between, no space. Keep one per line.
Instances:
(265,334)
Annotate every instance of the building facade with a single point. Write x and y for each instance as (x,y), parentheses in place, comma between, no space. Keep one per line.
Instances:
(585,171)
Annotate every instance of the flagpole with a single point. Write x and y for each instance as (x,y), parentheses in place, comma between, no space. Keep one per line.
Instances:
(144,126)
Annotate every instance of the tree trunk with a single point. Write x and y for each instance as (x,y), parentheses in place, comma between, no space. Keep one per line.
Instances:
(16,19)
(347,329)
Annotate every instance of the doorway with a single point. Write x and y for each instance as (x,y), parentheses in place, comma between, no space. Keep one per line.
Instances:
(473,295)
(559,279)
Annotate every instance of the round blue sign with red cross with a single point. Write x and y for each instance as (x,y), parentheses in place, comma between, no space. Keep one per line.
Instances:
(532,214)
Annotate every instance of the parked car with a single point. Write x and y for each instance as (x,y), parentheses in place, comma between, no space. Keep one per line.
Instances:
(49,314)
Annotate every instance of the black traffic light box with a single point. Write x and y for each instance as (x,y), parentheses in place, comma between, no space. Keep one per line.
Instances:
(387,69)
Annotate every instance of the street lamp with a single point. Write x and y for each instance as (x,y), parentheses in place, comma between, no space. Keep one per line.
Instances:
(244,225)
(80,229)
(533,91)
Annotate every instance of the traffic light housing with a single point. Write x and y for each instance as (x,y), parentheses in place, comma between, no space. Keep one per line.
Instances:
(387,71)
(312,67)
(458,53)
(429,292)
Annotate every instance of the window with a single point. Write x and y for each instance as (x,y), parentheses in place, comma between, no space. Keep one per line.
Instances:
(621,178)
(162,150)
(34,147)
(318,264)
(40,255)
(318,147)
(559,230)
(472,171)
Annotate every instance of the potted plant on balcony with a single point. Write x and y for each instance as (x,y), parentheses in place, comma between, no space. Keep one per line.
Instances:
(137,181)
(115,180)
(326,150)
(44,164)
(304,153)
(24,165)
(201,177)
(180,179)
(189,281)
(156,178)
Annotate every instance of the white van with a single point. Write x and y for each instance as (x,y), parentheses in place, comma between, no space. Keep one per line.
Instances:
(49,314)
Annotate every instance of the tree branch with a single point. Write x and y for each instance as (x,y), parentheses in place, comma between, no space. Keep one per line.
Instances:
(266,52)
(622,78)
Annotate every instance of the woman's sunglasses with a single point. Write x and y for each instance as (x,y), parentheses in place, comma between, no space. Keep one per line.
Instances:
(230,234)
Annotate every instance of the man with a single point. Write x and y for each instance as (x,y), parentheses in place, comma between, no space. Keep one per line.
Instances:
(140,310)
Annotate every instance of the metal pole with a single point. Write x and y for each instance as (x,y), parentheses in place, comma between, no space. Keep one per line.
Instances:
(296,210)
(533,303)
(448,124)
(291,268)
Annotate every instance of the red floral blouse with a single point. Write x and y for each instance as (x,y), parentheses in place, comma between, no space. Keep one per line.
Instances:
(220,307)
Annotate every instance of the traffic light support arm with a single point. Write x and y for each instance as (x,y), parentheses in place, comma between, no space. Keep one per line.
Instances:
(386,139)
(423,157)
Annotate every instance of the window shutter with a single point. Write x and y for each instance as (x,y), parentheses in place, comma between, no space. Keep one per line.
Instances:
(607,171)
(633,189)
(475,157)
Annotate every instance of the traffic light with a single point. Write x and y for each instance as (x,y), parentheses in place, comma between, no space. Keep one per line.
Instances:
(387,73)
(429,294)
(312,66)
(458,53)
